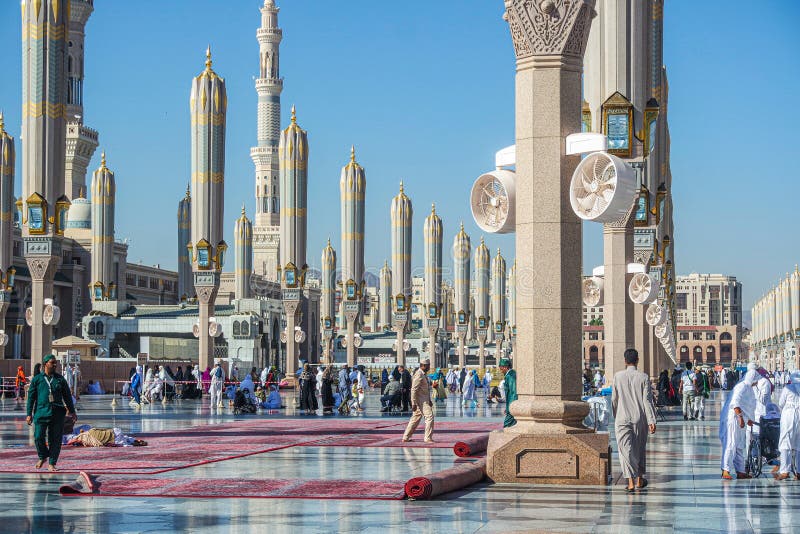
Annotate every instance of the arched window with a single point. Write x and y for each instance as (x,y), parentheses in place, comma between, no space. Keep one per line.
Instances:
(245,328)
(726,336)
(594,356)
(91,328)
(237,329)
(100,328)
(697,353)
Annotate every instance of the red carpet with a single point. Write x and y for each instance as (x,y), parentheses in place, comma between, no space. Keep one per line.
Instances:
(181,449)
(459,477)
(471,446)
(105,486)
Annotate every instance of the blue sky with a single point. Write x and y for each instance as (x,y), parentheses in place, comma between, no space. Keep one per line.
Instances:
(425,92)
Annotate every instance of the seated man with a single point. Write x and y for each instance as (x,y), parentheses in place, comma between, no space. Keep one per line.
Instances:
(495,395)
(391,395)
(94,388)
(242,402)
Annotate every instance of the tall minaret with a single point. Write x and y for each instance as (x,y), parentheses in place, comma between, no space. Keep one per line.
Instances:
(402,214)
(208,103)
(511,315)
(462,250)
(385,296)
(293,153)
(482,324)
(269,84)
(432,233)
(103,198)
(328,302)
(81,140)
(352,191)
(45,25)
(498,301)
(7,201)
(327,311)
(243,232)
(185,281)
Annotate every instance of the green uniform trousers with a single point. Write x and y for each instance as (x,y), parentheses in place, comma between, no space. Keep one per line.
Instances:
(47,436)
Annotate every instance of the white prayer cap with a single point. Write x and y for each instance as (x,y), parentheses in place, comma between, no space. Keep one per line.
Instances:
(426,360)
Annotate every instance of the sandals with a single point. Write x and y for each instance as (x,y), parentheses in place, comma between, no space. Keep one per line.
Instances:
(643,485)
(726,475)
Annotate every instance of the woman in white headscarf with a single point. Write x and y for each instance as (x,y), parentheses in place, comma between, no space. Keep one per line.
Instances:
(789,444)
(148,384)
(468,398)
(738,412)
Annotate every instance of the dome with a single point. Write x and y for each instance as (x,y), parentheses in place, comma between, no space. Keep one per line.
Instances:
(80,214)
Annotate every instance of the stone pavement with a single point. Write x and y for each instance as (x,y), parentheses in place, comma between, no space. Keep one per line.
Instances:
(685,493)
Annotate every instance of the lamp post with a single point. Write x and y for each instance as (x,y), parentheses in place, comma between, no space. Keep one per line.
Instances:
(292,282)
(461,331)
(399,321)
(352,307)
(432,323)
(483,329)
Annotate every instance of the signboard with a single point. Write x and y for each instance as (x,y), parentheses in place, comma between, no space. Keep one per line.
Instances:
(385,358)
(461,329)
(351,306)
(412,361)
(363,360)
(399,317)
(433,323)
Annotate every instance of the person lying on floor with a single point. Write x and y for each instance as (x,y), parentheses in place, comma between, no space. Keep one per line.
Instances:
(102,437)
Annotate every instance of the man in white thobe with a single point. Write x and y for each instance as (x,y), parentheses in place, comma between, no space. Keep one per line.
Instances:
(789,444)
(634,415)
(217,385)
(739,411)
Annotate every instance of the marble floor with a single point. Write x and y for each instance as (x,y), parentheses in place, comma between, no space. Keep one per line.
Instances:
(685,493)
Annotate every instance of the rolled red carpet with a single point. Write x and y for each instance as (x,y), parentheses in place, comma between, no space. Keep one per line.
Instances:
(471,446)
(455,478)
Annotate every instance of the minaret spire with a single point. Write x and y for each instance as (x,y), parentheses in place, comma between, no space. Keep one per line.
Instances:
(269,85)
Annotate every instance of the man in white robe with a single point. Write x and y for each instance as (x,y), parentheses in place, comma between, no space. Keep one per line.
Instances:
(789,444)
(634,416)
(217,386)
(738,412)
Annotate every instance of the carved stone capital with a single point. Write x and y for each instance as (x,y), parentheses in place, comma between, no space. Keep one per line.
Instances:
(642,256)
(624,221)
(549,27)
(42,268)
(206,294)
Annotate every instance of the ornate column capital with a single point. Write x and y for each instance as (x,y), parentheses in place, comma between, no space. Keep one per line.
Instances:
(43,267)
(549,27)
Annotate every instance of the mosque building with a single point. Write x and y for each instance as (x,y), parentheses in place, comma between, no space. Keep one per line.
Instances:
(211,308)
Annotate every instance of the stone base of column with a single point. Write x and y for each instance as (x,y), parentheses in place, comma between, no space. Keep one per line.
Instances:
(568,457)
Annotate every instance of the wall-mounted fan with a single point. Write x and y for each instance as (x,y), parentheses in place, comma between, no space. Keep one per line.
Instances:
(51,314)
(196,330)
(656,314)
(493,200)
(603,188)
(283,336)
(29,316)
(3,338)
(358,341)
(299,336)
(642,289)
(663,330)
(592,291)
(214,329)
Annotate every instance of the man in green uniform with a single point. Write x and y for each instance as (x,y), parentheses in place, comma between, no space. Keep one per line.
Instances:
(49,403)
(510,389)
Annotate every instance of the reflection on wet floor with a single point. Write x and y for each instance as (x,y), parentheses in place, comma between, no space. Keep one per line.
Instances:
(685,493)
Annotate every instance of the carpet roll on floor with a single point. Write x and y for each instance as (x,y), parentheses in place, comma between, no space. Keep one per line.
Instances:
(85,484)
(471,446)
(455,478)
